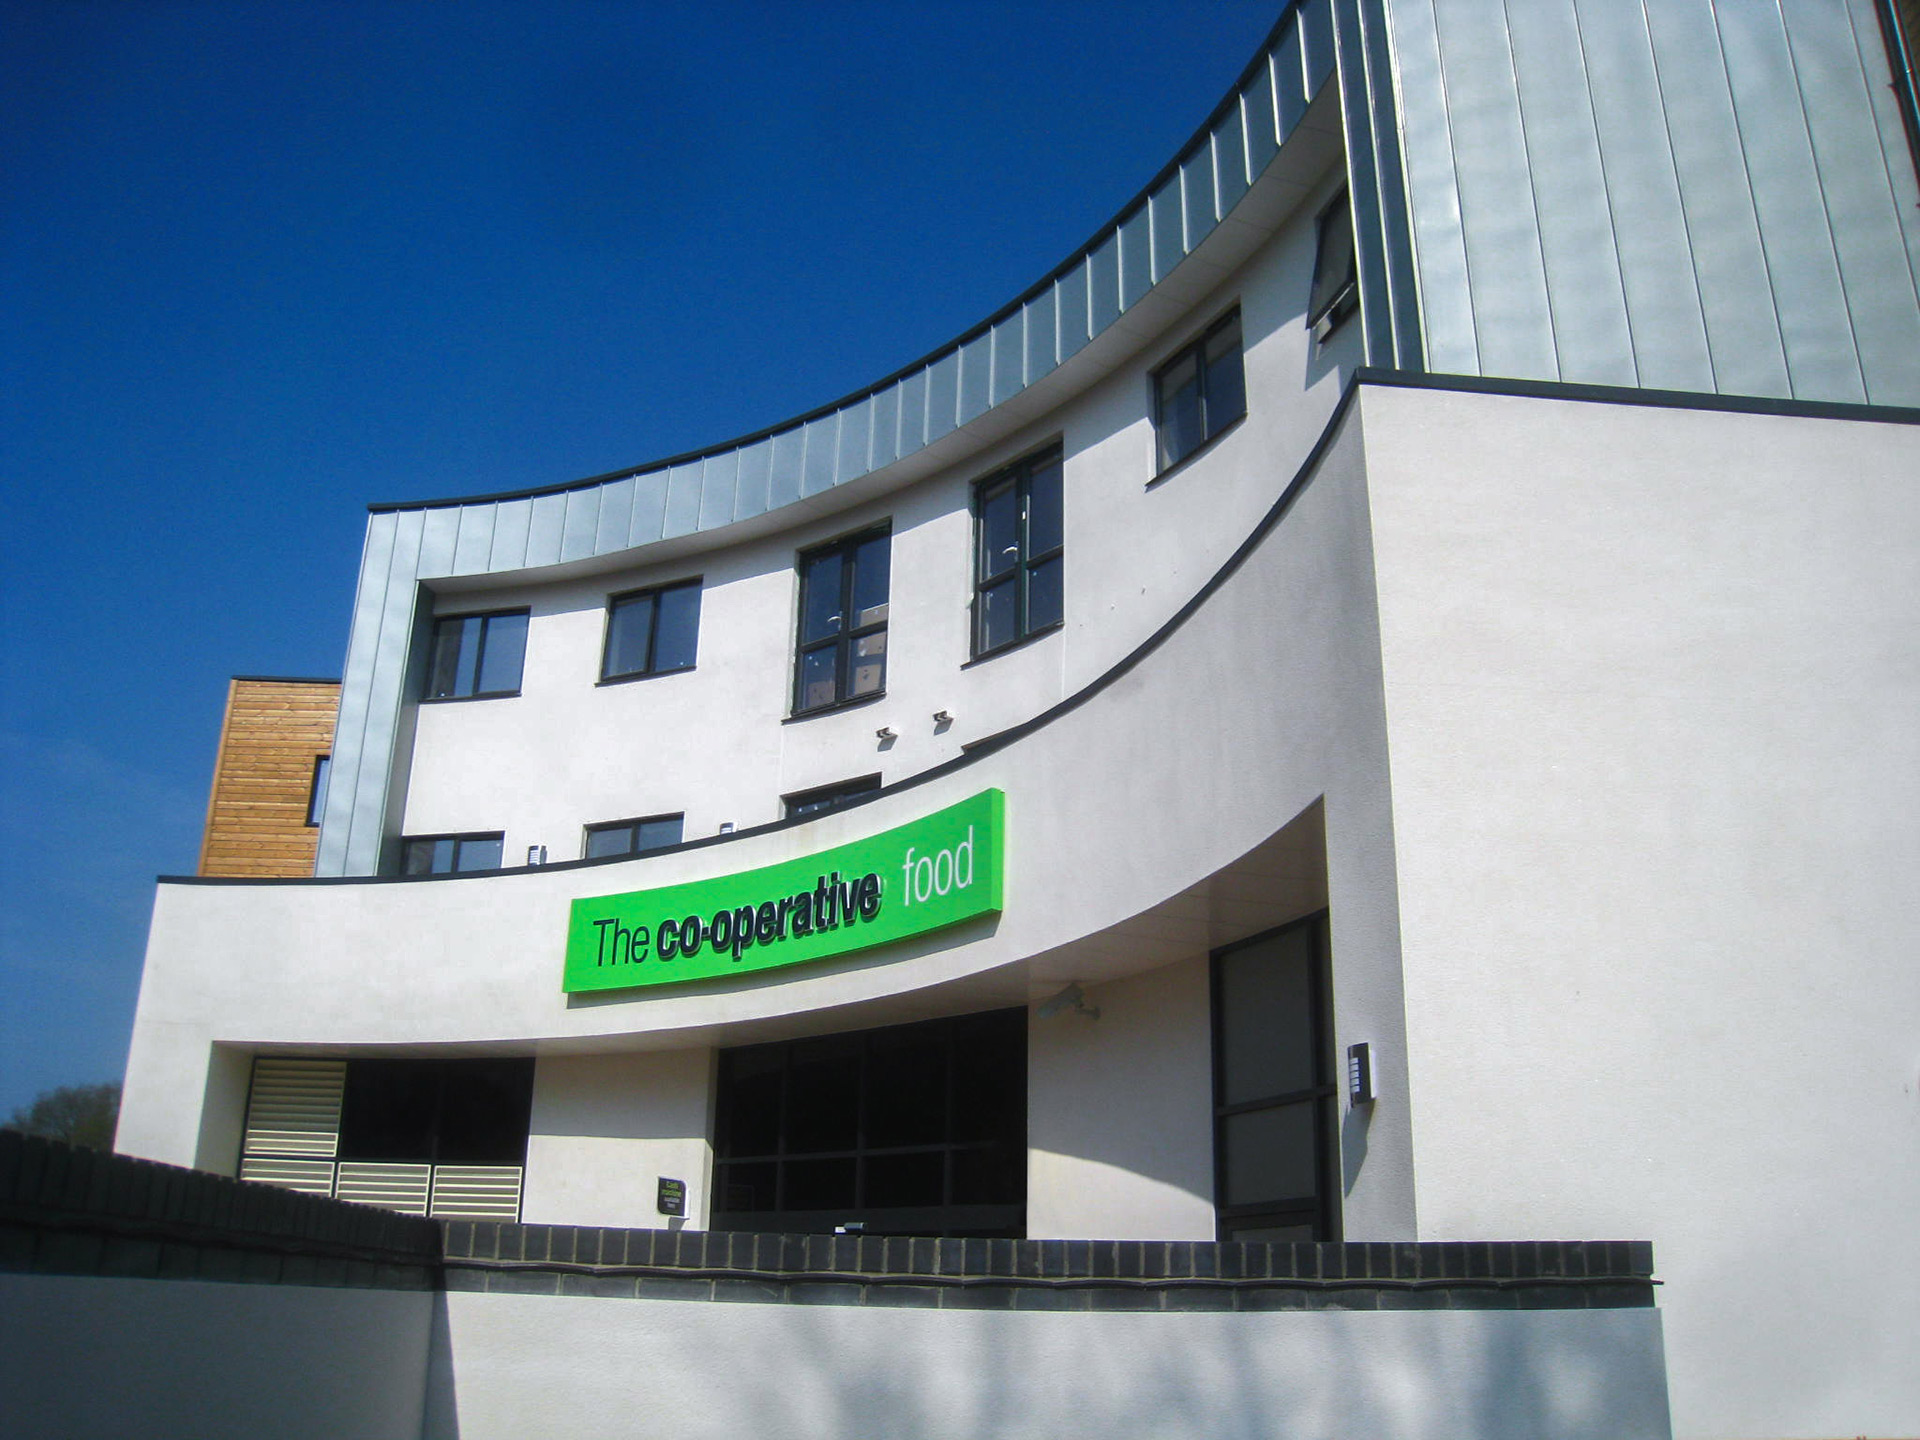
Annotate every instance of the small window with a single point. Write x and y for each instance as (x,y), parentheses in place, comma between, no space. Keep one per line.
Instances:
(633,837)
(1199,392)
(477,655)
(652,632)
(1017,562)
(450,854)
(1336,276)
(829,797)
(317,788)
(842,649)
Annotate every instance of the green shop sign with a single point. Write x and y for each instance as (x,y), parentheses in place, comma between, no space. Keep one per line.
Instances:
(925,875)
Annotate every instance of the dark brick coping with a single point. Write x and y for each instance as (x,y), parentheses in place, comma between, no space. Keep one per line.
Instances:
(79,1212)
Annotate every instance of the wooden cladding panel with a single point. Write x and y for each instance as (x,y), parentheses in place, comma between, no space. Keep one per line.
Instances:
(262,779)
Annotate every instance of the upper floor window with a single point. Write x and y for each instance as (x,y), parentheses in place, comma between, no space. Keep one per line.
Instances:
(842,652)
(475,655)
(1336,274)
(652,632)
(317,788)
(829,797)
(633,837)
(1199,392)
(450,854)
(1017,542)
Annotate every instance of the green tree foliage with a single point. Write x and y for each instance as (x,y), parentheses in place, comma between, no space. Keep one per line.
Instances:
(79,1114)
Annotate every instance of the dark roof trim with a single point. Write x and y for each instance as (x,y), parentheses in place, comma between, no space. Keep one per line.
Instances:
(289,679)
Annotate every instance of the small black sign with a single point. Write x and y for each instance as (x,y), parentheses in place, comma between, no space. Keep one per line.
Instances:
(672,1197)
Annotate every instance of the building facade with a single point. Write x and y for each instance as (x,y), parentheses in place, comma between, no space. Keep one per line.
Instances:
(1373,702)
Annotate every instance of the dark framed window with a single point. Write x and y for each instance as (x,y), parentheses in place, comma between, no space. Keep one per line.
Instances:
(910,1130)
(437,1112)
(450,854)
(477,655)
(633,837)
(842,651)
(1273,1087)
(317,788)
(652,632)
(1199,392)
(1017,562)
(1336,273)
(828,797)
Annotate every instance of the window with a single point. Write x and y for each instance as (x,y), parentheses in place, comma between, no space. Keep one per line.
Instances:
(829,797)
(1200,392)
(652,632)
(477,655)
(1017,564)
(450,854)
(632,837)
(1336,276)
(842,652)
(317,788)
(1273,1087)
(911,1130)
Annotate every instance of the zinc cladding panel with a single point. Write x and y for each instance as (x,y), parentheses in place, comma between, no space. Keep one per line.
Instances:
(294,1107)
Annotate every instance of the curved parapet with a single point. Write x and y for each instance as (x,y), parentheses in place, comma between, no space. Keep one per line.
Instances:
(1068,328)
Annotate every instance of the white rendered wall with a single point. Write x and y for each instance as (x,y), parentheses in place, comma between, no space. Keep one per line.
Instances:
(618,1368)
(1652,681)
(86,1358)
(607,1128)
(1120,1112)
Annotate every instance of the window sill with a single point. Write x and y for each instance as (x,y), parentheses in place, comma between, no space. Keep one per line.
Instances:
(463,699)
(835,708)
(1202,448)
(1012,645)
(641,675)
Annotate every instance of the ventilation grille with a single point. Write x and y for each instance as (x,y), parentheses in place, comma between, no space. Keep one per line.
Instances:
(310,1177)
(295,1107)
(476,1192)
(391,1186)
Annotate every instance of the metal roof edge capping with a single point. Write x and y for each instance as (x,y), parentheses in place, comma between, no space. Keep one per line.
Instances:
(982,370)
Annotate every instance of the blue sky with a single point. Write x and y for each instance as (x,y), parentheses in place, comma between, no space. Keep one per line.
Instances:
(263,264)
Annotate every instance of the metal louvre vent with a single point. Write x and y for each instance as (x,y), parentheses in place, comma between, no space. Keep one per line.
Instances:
(295,1107)
(476,1192)
(391,1186)
(310,1177)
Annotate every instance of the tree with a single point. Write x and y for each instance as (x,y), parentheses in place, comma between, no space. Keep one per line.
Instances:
(79,1114)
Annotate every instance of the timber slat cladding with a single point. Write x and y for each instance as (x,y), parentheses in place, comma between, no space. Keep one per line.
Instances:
(263,777)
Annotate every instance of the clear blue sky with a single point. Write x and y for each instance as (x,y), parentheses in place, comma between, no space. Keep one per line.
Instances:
(264,263)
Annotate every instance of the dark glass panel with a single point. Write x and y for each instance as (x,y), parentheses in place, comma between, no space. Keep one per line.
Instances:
(502,652)
(817,686)
(1044,603)
(1180,422)
(417,858)
(900,1180)
(990,1077)
(485,1108)
(317,793)
(629,626)
(906,1089)
(819,1184)
(823,1099)
(389,1110)
(1267,1229)
(658,834)
(678,629)
(748,1119)
(1270,1154)
(999,530)
(990,1175)
(870,577)
(477,854)
(609,840)
(1266,1017)
(747,1187)
(820,597)
(456,646)
(869,664)
(1043,508)
(1334,270)
(999,619)
(1226,381)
